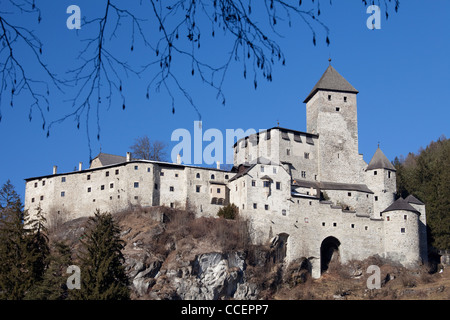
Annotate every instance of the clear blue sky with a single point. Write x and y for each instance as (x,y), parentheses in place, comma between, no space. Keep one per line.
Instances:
(401,71)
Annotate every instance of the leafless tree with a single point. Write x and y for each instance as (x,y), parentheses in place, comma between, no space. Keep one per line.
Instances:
(144,148)
(170,30)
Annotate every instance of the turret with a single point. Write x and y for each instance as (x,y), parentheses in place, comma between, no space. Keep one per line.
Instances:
(401,227)
(420,206)
(380,178)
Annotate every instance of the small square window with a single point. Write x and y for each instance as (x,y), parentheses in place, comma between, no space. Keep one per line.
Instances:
(43,183)
(41,198)
(278,185)
(402,230)
(388,218)
(376,198)
(107,174)
(110,197)
(288,152)
(197,188)
(176,175)
(389,174)
(323,224)
(63,193)
(266,184)
(161,173)
(345,99)
(283,212)
(117,171)
(136,184)
(136,167)
(226,176)
(366,228)
(262,168)
(353,226)
(334,224)
(32,200)
(197,175)
(349,194)
(405,217)
(88,177)
(338,109)
(253,183)
(111,185)
(136,197)
(213,177)
(35,184)
(266,207)
(306,155)
(171,205)
(303,174)
(89,189)
(171,189)
(329,97)
(218,190)
(255,206)
(102,187)
(375,173)
(63,179)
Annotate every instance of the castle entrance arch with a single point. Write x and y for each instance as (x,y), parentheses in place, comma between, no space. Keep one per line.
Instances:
(329,250)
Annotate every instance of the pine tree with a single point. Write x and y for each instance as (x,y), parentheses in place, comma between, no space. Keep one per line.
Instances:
(103,275)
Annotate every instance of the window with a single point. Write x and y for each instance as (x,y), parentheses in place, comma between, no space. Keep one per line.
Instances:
(402,230)
(283,212)
(262,168)
(197,188)
(89,189)
(376,198)
(329,97)
(117,171)
(171,189)
(176,175)
(32,200)
(388,218)
(266,184)
(338,109)
(41,198)
(274,170)
(366,228)
(213,177)
(253,183)
(306,155)
(278,185)
(266,207)
(288,152)
(156,186)
(345,99)
(148,169)
(63,179)
(353,226)
(171,204)
(349,194)
(35,184)
(111,185)
(161,173)
(405,217)
(110,197)
(102,187)
(93,200)
(218,190)
(136,167)
(63,193)
(389,174)
(136,184)
(254,206)
(334,224)
(226,176)
(323,224)
(107,173)
(136,197)
(303,174)
(88,177)
(43,183)
(375,173)
(197,175)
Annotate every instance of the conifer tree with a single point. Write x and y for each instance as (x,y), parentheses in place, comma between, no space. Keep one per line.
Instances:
(102,272)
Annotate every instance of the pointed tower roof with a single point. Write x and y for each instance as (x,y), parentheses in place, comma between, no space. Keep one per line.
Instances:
(331,80)
(401,204)
(414,200)
(379,161)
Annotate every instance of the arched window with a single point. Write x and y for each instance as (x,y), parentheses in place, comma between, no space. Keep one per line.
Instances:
(212,177)
(197,175)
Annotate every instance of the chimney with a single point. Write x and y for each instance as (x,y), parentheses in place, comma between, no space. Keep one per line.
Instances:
(128,156)
(178,159)
(80,166)
(218,164)
(55,169)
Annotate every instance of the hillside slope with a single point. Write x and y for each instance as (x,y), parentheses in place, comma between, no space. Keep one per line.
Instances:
(170,254)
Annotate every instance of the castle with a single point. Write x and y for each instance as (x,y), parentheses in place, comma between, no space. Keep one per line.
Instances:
(311,193)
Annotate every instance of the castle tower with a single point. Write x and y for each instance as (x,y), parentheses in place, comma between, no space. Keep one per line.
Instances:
(420,206)
(380,178)
(331,113)
(401,227)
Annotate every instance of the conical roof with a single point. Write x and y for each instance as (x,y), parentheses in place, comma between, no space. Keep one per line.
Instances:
(401,204)
(379,161)
(414,200)
(331,80)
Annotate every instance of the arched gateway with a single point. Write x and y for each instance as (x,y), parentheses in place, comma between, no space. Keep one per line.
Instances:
(329,250)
